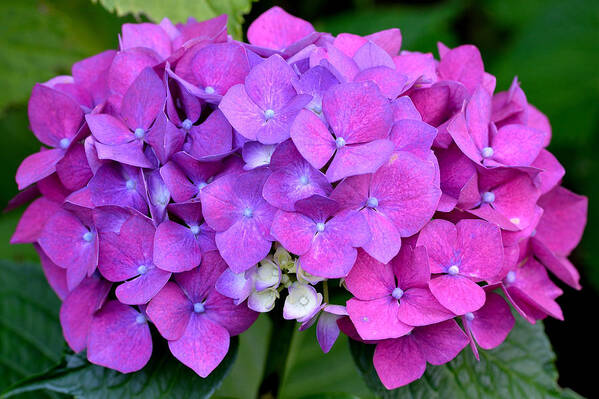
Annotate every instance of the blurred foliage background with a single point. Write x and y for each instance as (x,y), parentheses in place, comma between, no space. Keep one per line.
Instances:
(551,45)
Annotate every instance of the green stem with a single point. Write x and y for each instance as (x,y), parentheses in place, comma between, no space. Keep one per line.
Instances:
(279,345)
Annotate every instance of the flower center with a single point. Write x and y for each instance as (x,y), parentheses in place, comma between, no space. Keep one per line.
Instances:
(142,269)
(269,114)
(304,180)
(198,307)
(140,133)
(487,152)
(202,185)
(397,293)
(88,236)
(130,184)
(209,90)
(488,197)
(453,270)
(186,124)
(64,143)
(303,300)
(317,108)
(340,142)
(372,202)
(194,229)
(248,212)
(320,227)
(140,319)
(510,277)
(469,316)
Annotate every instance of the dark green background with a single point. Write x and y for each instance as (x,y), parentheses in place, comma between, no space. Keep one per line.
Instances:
(551,45)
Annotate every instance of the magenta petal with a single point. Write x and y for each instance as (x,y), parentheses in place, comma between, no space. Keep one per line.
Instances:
(146,35)
(277,129)
(212,138)
(394,373)
(37,166)
(241,112)
(312,138)
(202,346)
(329,257)
(32,222)
(53,115)
(269,84)
(413,136)
(237,286)
(108,130)
(440,238)
(390,82)
(176,248)
(220,66)
(411,267)
(121,186)
(377,319)
(552,173)
(56,276)
(517,145)
(73,170)
(463,64)
(385,240)
(127,65)
(457,293)
(370,279)
(219,203)
(441,342)
(165,138)
(492,323)
(170,311)
(143,100)
(369,55)
(141,289)
(481,249)
(359,159)
(178,184)
(129,153)
(418,307)
(560,266)
(78,309)
(294,231)
(327,331)
(276,29)
(357,112)
(119,338)
(224,311)
(244,244)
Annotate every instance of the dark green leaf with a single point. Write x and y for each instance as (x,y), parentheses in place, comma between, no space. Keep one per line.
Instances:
(522,367)
(30,335)
(180,10)
(163,377)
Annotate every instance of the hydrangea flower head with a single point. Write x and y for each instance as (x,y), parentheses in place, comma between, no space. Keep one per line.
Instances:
(191,181)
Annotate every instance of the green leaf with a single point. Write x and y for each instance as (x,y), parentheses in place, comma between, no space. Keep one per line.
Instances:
(30,335)
(522,367)
(42,39)
(163,377)
(180,10)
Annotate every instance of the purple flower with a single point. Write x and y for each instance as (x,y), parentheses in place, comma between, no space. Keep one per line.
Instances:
(120,185)
(360,119)
(233,206)
(293,178)
(56,120)
(264,107)
(197,320)
(325,240)
(237,286)
(256,154)
(33,220)
(436,344)
(177,247)
(128,256)
(119,338)
(489,326)
(122,139)
(463,254)
(392,210)
(391,299)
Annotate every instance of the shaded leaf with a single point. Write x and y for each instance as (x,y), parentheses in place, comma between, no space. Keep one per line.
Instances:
(522,367)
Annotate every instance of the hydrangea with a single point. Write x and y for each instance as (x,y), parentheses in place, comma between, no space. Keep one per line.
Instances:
(192,181)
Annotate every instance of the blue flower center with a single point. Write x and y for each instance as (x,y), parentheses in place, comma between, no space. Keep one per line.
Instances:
(340,142)
(64,143)
(487,152)
(194,229)
(186,124)
(88,236)
(453,270)
(510,277)
(198,307)
(304,180)
(372,202)
(130,184)
(469,316)
(209,90)
(140,133)
(488,197)
(140,319)
(320,227)
(248,212)
(269,114)
(142,269)
(397,293)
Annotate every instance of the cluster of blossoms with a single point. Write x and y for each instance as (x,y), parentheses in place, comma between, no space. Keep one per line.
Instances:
(190,181)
